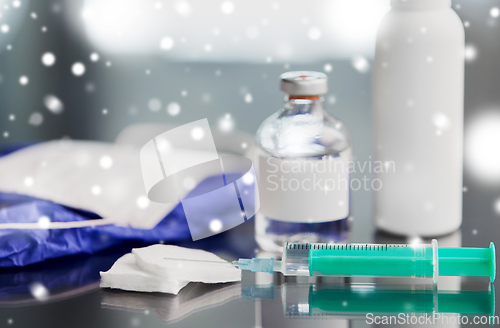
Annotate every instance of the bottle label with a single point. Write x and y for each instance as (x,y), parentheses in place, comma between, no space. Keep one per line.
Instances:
(305,190)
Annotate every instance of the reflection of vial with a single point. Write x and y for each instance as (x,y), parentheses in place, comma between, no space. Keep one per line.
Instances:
(303,161)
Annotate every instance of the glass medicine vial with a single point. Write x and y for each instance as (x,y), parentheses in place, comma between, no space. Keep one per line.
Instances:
(303,161)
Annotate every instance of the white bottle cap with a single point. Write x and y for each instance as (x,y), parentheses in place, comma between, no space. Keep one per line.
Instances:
(304,83)
(420,4)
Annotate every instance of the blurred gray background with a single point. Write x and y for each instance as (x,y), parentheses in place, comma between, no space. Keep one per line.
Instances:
(214,59)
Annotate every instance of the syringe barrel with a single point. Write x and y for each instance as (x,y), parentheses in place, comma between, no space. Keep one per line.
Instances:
(415,261)
(295,261)
(387,260)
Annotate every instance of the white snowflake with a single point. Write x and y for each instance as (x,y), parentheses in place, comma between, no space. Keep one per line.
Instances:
(173,109)
(94,56)
(470,52)
(39,291)
(495,12)
(35,119)
(215,225)
(361,64)
(106,162)
(48,59)
(248,98)
(24,80)
(183,8)
(154,104)
(53,104)
(227,7)
(166,43)
(197,133)
(314,33)
(226,123)
(78,69)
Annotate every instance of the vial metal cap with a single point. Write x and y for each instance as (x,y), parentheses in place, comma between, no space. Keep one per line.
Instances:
(304,83)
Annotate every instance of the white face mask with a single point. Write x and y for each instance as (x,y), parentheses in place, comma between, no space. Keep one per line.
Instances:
(103,178)
(98,177)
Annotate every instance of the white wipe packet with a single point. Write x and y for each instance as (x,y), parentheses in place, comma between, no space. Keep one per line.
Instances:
(167,269)
(125,274)
(174,262)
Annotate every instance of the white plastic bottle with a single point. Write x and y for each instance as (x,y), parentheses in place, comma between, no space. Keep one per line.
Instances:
(418,118)
(303,163)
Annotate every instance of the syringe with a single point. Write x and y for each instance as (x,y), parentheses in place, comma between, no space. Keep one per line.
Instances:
(378,260)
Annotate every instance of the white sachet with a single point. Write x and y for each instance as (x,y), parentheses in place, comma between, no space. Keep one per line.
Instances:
(173,262)
(125,274)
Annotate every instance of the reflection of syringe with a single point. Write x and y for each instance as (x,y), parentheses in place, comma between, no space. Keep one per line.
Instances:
(358,299)
(368,299)
(378,260)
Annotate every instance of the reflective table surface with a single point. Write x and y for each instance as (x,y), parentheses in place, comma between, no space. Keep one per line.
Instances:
(260,300)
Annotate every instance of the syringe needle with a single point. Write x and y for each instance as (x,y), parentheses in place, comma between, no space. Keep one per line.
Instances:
(204,261)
